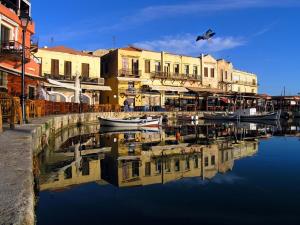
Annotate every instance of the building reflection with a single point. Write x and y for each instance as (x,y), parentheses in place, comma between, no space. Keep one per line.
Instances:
(130,158)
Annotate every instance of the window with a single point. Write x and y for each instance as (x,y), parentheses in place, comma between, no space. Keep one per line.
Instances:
(85,69)
(148,169)
(158,166)
(135,66)
(147,66)
(177,165)
(176,68)
(213,160)
(68,68)
(168,165)
(206,161)
(3,77)
(167,68)
(5,35)
(212,72)
(125,63)
(226,75)
(31,92)
(157,66)
(85,167)
(195,70)
(135,168)
(205,71)
(187,69)
(68,173)
(252,90)
(55,66)
(253,81)
(187,163)
(196,164)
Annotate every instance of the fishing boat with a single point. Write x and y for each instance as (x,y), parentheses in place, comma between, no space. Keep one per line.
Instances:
(131,122)
(251,115)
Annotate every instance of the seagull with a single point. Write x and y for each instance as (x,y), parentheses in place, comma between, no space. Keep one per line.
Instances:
(207,36)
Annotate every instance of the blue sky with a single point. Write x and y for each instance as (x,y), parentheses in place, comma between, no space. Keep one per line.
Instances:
(259,36)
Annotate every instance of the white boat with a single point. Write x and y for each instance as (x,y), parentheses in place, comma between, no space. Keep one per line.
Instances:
(251,115)
(131,122)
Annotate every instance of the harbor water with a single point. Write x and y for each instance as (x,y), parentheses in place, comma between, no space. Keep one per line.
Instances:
(184,173)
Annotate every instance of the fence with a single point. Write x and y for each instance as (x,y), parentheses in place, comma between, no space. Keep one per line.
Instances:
(11,108)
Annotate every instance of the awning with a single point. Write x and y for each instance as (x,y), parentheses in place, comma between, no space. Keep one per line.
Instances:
(169,88)
(95,87)
(62,85)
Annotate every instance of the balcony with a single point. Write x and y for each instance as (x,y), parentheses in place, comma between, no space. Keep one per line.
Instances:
(175,76)
(71,79)
(12,50)
(246,83)
(130,73)
(10,4)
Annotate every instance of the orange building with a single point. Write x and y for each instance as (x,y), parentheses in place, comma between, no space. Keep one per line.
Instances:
(11,50)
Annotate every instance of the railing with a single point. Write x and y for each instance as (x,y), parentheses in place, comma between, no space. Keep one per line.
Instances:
(9,4)
(129,73)
(84,79)
(13,49)
(176,76)
(246,83)
(11,108)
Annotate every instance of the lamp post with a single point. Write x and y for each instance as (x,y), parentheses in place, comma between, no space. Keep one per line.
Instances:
(24,18)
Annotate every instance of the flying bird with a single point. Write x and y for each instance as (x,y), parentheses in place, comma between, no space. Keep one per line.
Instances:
(206,36)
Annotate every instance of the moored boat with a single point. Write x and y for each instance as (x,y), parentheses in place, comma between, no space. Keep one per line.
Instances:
(130,122)
(251,115)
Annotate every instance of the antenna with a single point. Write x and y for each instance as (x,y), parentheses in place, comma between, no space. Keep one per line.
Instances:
(114,41)
(51,41)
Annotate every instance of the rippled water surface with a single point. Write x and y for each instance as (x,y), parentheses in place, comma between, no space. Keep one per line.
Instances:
(195,174)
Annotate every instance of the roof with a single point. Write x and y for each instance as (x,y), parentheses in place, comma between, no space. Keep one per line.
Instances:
(67,50)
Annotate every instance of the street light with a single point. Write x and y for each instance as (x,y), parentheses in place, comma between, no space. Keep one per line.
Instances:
(24,18)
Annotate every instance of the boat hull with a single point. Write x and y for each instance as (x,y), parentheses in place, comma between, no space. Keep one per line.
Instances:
(263,117)
(129,123)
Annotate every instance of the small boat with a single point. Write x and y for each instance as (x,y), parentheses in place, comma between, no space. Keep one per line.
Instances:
(126,130)
(220,116)
(131,122)
(252,116)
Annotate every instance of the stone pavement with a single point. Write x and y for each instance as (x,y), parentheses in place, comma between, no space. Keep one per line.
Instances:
(16,177)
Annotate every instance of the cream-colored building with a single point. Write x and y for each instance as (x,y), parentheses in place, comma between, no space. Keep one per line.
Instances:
(244,82)
(64,64)
(159,79)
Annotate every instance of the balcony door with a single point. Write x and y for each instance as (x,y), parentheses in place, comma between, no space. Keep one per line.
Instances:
(5,35)
(135,66)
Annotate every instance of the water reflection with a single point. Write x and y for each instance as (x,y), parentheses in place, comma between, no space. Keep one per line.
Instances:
(128,158)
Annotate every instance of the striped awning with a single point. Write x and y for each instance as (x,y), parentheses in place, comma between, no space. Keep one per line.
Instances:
(169,88)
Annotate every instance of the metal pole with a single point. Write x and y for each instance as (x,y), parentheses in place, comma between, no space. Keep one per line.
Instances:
(23,98)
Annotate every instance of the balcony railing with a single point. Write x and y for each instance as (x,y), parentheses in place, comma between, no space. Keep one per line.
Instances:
(129,73)
(174,76)
(246,83)
(10,4)
(13,50)
(84,79)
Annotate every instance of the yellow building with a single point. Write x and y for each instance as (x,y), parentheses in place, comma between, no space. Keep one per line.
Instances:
(159,79)
(244,82)
(64,64)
